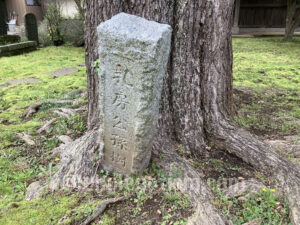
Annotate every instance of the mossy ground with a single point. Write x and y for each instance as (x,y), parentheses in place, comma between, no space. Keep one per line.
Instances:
(21,164)
(267,79)
(267,89)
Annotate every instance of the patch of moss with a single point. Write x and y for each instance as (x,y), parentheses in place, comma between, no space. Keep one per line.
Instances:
(16,98)
(41,211)
(108,220)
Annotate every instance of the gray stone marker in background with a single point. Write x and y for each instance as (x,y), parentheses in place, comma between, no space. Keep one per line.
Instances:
(133,58)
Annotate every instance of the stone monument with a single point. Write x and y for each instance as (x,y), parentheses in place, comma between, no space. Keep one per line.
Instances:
(133,53)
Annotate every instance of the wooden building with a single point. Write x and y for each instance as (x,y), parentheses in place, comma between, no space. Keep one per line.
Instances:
(259,16)
(19,8)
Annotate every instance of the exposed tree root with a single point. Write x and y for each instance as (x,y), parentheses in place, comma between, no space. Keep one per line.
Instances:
(27,138)
(285,174)
(78,166)
(78,170)
(46,126)
(101,209)
(65,112)
(31,110)
(254,222)
(189,183)
(242,188)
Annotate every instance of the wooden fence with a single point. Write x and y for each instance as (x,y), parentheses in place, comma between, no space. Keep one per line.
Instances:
(262,13)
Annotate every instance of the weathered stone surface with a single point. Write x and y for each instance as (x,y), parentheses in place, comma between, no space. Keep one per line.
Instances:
(64,72)
(23,81)
(133,53)
(17,48)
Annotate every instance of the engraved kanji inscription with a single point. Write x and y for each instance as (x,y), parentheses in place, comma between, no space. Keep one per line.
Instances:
(134,54)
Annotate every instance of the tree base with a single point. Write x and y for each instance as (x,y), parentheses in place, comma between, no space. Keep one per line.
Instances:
(77,168)
(284,174)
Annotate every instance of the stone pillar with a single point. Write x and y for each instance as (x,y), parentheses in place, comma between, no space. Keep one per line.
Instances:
(235,28)
(133,58)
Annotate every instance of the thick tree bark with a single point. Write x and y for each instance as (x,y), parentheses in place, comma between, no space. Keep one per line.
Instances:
(181,112)
(197,93)
(292,19)
(198,29)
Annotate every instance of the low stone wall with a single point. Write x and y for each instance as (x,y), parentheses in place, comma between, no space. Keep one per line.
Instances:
(9,39)
(17,48)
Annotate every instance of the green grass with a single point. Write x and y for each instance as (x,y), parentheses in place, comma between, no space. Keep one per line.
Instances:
(267,63)
(35,65)
(37,212)
(21,164)
(264,206)
(49,209)
(270,69)
(17,168)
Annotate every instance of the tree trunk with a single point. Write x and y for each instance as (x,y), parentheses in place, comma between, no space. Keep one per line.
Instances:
(201,37)
(80,8)
(292,19)
(197,93)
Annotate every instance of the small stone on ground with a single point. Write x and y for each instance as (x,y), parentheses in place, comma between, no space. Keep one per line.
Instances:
(63,72)
(20,81)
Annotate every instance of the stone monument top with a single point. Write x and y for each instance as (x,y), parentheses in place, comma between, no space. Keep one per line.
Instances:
(133,58)
(130,27)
